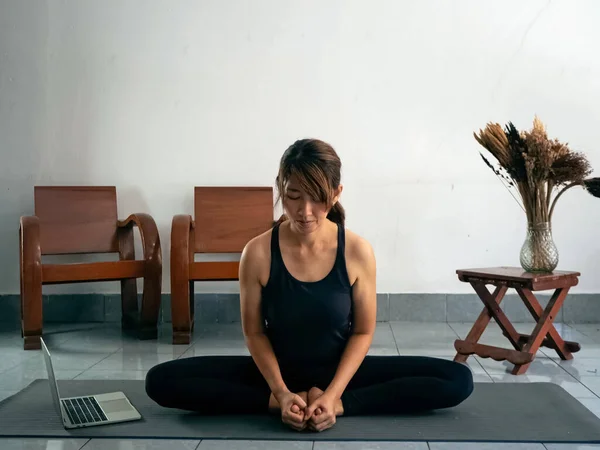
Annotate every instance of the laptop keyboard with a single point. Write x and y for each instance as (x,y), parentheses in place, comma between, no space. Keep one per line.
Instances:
(84,410)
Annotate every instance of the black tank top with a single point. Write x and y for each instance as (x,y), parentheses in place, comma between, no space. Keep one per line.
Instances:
(307,323)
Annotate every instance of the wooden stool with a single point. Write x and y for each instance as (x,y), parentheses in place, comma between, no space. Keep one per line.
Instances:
(526,346)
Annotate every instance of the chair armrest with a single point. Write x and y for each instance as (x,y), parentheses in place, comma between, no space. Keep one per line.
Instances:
(182,239)
(30,252)
(150,237)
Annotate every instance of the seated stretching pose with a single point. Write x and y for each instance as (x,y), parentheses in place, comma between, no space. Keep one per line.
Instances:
(308,306)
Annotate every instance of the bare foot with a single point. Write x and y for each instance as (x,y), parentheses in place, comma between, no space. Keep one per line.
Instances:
(274,404)
(314,393)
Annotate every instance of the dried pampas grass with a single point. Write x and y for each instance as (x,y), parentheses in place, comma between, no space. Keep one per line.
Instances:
(539,168)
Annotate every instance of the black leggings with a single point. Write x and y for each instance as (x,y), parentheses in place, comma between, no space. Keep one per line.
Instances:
(381,385)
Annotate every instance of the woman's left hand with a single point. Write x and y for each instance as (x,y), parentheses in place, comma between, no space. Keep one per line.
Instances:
(321,413)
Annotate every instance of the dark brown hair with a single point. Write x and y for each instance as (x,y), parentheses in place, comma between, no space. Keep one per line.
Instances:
(318,169)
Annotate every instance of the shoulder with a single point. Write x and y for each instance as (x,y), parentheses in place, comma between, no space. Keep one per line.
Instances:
(360,256)
(358,248)
(256,257)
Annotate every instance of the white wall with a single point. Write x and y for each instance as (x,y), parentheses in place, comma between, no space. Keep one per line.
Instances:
(156,97)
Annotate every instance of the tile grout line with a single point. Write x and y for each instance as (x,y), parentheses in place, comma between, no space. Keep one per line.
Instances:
(394,337)
(86,443)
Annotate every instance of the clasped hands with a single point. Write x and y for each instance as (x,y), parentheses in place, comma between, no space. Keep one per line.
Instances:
(318,412)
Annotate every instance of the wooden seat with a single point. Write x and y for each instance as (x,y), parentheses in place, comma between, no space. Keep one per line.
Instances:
(83,220)
(226,219)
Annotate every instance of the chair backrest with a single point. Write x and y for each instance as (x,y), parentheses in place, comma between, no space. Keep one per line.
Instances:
(226,217)
(77,219)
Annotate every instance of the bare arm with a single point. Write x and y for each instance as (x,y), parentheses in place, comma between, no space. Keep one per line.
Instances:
(258,344)
(365,311)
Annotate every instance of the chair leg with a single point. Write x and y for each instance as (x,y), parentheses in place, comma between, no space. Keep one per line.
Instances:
(31,311)
(148,328)
(129,301)
(129,304)
(181,312)
(30,272)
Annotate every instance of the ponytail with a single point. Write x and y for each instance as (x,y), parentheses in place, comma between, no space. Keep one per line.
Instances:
(337,214)
(281,219)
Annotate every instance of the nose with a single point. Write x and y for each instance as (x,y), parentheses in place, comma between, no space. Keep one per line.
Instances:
(305,208)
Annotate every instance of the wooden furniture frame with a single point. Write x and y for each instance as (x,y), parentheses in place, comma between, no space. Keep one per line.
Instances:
(83,220)
(226,219)
(525,345)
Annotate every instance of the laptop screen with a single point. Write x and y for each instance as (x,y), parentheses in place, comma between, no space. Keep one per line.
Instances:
(51,379)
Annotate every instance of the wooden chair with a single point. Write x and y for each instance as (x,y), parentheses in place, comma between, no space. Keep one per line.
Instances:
(226,218)
(78,220)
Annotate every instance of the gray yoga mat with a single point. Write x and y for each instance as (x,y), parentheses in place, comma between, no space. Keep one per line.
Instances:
(495,412)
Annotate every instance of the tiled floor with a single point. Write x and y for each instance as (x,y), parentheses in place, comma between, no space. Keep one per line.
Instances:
(95,351)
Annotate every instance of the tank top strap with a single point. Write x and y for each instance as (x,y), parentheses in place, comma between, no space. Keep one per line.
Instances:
(341,248)
(276,258)
(340,260)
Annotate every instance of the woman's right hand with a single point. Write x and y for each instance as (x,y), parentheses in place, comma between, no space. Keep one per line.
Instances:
(292,410)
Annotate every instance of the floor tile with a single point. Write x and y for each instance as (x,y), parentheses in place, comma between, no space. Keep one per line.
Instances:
(539,366)
(580,367)
(126,360)
(383,343)
(213,349)
(155,347)
(484,446)
(43,444)
(592,383)
(142,444)
(424,338)
(366,445)
(254,445)
(572,446)
(218,331)
(94,374)
(80,360)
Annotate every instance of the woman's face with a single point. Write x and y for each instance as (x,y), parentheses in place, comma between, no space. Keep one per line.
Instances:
(305,214)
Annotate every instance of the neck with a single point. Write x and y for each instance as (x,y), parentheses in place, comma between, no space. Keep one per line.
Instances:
(314,239)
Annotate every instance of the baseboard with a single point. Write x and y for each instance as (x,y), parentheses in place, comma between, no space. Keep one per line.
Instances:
(225,308)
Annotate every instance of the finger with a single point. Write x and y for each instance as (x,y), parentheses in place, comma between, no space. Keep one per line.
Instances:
(298,401)
(325,425)
(295,418)
(310,410)
(295,409)
(318,419)
(318,411)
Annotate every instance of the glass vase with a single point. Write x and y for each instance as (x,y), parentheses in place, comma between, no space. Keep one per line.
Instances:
(538,253)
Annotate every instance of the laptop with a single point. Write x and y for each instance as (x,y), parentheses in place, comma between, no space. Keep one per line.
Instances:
(89,410)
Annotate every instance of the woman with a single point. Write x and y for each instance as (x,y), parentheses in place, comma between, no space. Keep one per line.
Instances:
(308,307)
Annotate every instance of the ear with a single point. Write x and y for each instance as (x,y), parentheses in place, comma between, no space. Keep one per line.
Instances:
(337,194)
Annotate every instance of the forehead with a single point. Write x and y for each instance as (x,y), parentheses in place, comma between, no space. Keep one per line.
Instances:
(293,184)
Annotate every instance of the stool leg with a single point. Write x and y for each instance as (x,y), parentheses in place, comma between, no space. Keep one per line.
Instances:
(494,307)
(542,327)
(482,322)
(555,340)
